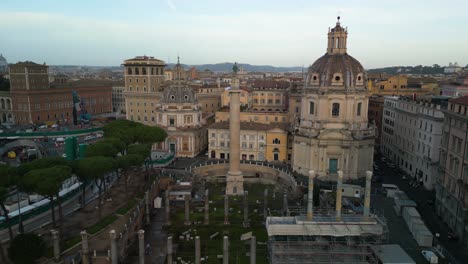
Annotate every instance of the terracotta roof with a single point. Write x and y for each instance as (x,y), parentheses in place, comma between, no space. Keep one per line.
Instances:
(463,100)
(87,83)
(270,84)
(251,126)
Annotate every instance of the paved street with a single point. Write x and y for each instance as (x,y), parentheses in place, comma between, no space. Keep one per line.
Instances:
(427,211)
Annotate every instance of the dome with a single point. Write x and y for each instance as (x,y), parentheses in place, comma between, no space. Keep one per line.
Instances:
(336,70)
(178,94)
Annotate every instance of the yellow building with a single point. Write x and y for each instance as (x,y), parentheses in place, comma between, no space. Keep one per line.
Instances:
(144,77)
(269,95)
(258,141)
(402,85)
(245,99)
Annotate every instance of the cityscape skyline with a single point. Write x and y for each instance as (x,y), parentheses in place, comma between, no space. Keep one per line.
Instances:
(204,32)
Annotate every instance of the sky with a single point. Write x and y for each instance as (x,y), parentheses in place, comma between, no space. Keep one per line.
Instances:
(259,32)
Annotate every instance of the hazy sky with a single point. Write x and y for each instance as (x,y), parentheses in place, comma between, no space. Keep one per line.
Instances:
(280,33)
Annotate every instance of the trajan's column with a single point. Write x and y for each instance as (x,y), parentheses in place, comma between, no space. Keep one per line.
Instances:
(234,178)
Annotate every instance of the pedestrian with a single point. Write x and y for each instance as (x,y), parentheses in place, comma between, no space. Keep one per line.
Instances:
(148,249)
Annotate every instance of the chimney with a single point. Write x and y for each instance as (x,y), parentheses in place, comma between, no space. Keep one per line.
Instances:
(310,195)
(368,193)
(339,193)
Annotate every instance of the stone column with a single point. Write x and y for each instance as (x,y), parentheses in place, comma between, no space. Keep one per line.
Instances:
(234,178)
(225,250)
(187,210)
(207,208)
(168,208)
(265,203)
(285,203)
(141,246)
(367,194)
(56,244)
(246,209)
(113,238)
(169,250)
(226,210)
(310,196)
(197,250)
(84,247)
(253,250)
(339,194)
(147,207)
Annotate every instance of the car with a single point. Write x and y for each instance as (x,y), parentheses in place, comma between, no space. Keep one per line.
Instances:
(42,127)
(430,256)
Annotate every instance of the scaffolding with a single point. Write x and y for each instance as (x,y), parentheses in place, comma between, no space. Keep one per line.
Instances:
(325,239)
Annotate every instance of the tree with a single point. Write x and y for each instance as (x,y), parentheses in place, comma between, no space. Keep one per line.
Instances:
(126,162)
(117,143)
(48,182)
(102,148)
(26,248)
(45,162)
(6,181)
(96,168)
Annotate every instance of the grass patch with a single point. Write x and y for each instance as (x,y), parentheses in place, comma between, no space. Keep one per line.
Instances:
(71,242)
(101,224)
(124,209)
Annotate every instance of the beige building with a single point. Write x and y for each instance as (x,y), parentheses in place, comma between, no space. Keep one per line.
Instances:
(333,132)
(257,117)
(245,98)
(258,141)
(118,100)
(269,95)
(144,77)
(179,113)
(6,108)
(209,97)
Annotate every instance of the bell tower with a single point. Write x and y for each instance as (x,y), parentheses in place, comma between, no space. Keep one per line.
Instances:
(337,38)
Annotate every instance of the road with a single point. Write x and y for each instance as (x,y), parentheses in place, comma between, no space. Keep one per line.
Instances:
(426,210)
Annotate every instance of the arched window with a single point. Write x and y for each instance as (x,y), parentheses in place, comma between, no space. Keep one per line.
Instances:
(143,71)
(137,72)
(129,71)
(276,141)
(311,108)
(359,106)
(335,109)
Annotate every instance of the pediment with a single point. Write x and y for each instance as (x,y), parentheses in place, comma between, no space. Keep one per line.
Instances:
(335,135)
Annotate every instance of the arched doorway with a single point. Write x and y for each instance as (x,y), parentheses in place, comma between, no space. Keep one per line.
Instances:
(276,154)
(213,154)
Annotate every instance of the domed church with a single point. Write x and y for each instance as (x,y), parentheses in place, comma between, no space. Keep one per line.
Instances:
(180,114)
(332,132)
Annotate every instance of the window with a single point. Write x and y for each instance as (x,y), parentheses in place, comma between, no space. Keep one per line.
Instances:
(335,109)
(129,71)
(276,141)
(359,106)
(311,108)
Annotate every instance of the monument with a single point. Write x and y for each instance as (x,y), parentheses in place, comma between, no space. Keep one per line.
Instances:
(234,178)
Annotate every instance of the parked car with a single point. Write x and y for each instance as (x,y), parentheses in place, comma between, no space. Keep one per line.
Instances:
(430,256)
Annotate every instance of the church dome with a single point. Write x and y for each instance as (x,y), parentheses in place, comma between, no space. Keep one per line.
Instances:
(336,69)
(178,94)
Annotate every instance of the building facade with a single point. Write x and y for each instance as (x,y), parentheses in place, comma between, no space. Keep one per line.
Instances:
(6,108)
(403,85)
(35,101)
(333,132)
(144,84)
(118,100)
(375,115)
(412,136)
(457,88)
(259,141)
(269,95)
(452,185)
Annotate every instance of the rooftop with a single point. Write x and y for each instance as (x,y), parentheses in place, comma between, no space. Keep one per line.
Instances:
(392,253)
(463,100)
(324,225)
